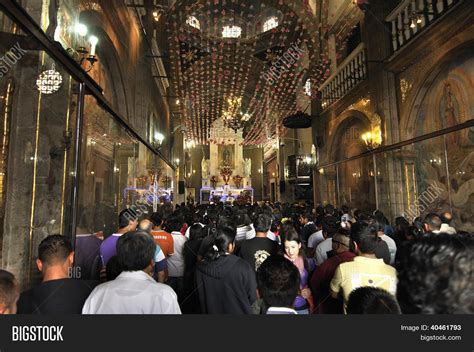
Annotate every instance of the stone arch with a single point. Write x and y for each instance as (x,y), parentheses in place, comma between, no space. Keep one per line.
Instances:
(347,120)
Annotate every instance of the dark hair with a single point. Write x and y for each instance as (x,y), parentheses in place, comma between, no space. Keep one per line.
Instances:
(196,232)
(435,275)
(433,220)
(113,268)
(372,300)
(366,238)
(8,288)
(345,209)
(156,219)
(135,250)
(222,237)
(329,225)
(306,215)
(54,249)
(262,223)
(292,235)
(278,281)
(173,224)
(329,209)
(126,216)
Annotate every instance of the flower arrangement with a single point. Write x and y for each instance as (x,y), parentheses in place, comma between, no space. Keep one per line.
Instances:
(214,180)
(238,181)
(226,172)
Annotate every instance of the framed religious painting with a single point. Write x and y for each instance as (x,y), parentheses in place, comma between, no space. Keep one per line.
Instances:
(227,156)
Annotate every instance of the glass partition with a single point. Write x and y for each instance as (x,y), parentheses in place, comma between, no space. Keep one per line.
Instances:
(433,175)
(38,107)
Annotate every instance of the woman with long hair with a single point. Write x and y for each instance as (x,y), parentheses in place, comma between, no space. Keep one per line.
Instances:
(294,251)
(225,282)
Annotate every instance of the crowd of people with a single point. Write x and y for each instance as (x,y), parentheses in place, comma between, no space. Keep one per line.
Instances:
(253,259)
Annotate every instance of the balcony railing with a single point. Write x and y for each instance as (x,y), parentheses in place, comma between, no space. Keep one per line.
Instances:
(348,74)
(412,16)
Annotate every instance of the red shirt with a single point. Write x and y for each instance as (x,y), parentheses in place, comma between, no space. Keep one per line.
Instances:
(320,281)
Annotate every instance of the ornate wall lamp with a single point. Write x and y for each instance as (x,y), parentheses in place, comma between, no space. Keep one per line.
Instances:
(81,54)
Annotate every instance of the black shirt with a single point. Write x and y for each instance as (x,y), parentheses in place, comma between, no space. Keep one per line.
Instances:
(257,249)
(382,251)
(62,296)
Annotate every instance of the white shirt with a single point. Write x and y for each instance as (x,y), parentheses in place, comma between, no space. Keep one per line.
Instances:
(272,236)
(176,261)
(281,310)
(321,251)
(132,292)
(392,247)
(315,239)
(244,233)
(445,228)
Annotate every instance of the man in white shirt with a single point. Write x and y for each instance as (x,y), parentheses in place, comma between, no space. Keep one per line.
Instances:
(176,262)
(134,291)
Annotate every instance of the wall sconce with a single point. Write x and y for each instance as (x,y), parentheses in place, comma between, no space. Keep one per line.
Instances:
(158,140)
(372,139)
(81,54)
(177,161)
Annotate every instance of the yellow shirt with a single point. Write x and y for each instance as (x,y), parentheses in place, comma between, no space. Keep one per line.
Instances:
(363,272)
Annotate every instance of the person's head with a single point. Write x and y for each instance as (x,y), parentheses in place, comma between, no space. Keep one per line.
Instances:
(135,251)
(446,217)
(372,300)
(432,222)
(292,244)
(196,232)
(157,220)
(113,268)
(435,275)
(329,226)
(9,292)
(262,223)
(223,242)
(364,239)
(173,224)
(128,220)
(278,281)
(329,209)
(304,218)
(340,242)
(145,225)
(55,254)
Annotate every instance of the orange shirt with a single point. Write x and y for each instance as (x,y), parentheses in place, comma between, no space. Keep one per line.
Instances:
(165,241)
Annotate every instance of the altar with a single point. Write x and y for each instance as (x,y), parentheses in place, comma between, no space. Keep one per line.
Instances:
(226,195)
(226,175)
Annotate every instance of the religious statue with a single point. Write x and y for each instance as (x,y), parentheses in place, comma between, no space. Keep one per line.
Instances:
(247,167)
(205,168)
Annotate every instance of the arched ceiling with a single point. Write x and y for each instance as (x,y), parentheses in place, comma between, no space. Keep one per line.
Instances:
(226,78)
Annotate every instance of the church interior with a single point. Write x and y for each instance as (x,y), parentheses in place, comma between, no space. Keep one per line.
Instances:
(106,105)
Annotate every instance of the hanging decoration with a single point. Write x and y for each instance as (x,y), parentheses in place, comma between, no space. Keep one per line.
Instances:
(224,83)
(49,81)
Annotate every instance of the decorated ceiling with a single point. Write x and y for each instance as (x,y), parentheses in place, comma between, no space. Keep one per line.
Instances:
(238,66)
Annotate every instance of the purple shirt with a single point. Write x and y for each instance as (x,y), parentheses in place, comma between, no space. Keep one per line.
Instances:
(108,248)
(86,253)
